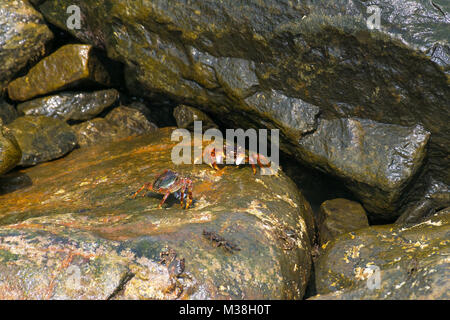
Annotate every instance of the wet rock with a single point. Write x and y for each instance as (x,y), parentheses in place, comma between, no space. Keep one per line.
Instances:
(186,115)
(23,36)
(7,112)
(42,138)
(78,217)
(71,105)
(96,131)
(10,153)
(376,160)
(216,55)
(436,197)
(388,262)
(130,121)
(340,216)
(72,65)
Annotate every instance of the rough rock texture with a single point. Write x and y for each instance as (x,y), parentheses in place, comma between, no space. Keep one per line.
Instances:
(23,35)
(376,160)
(70,66)
(71,105)
(10,153)
(42,138)
(119,123)
(340,216)
(272,63)
(186,115)
(96,132)
(413,262)
(435,198)
(130,121)
(7,112)
(76,217)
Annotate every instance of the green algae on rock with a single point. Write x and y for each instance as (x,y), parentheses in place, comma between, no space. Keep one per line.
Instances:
(70,105)
(70,66)
(376,160)
(10,153)
(23,36)
(340,216)
(42,138)
(411,262)
(78,212)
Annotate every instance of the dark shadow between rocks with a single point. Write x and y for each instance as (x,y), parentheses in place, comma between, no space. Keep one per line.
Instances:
(14,181)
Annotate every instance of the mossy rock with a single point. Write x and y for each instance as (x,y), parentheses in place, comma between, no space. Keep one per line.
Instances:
(23,38)
(71,66)
(42,138)
(10,153)
(388,262)
(77,217)
(338,216)
(70,105)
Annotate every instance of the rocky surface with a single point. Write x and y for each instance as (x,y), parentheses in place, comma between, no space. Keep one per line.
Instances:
(7,112)
(130,121)
(23,37)
(339,216)
(436,197)
(42,138)
(70,105)
(77,216)
(96,132)
(186,116)
(119,123)
(72,65)
(275,63)
(10,153)
(413,262)
(376,160)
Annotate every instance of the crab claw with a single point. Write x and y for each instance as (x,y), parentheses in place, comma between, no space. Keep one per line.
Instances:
(240,158)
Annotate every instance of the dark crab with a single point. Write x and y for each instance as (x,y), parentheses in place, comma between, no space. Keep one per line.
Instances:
(170,182)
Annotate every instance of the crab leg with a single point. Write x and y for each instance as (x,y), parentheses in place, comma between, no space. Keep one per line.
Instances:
(182,195)
(163,199)
(146,185)
(189,189)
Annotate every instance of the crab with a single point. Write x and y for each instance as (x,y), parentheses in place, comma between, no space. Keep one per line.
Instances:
(170,182)
(175,268)
(213,157)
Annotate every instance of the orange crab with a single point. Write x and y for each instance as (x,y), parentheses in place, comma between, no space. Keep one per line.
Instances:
(213,157)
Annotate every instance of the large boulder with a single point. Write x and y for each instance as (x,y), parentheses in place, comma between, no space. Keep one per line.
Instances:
(42,138)
(75,231)
(72,65)
(276,64)
(23,36)
(10,153)
(376,160)
(388,262)
(70,105)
